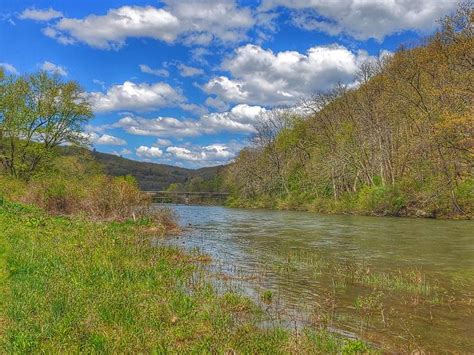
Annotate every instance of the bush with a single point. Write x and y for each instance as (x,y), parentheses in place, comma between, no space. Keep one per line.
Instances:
(97,197)
(75,186)
(380,200)
(465,196)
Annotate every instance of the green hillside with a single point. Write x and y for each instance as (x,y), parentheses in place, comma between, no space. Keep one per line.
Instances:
(151,176)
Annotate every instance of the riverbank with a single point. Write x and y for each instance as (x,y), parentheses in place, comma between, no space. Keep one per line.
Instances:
(374,203)
(71,285)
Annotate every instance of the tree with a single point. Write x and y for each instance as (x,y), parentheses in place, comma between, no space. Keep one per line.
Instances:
(404,134)
(38,112)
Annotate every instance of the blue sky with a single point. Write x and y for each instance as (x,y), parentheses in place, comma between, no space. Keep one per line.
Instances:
(184,82)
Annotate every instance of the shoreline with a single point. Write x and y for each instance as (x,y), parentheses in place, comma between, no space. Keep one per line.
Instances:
(103,287)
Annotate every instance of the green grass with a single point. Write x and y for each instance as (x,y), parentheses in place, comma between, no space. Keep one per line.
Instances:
(71,285)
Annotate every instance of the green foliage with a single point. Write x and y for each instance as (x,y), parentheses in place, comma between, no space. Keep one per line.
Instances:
(465,195)
(384,200)
(38,112)
(398,144)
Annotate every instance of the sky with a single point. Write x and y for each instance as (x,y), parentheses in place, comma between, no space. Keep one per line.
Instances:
(183,82)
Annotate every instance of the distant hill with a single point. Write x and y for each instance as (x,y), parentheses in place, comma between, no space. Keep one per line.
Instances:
(152,176)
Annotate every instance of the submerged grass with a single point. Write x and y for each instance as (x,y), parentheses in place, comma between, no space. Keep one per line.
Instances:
(410,281)
(72,285)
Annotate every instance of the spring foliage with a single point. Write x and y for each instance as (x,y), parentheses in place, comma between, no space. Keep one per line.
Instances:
(38,112)
(399,143)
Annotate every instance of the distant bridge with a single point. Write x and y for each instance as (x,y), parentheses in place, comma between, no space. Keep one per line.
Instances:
(187,196)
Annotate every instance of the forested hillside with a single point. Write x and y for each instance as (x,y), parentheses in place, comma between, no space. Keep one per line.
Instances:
(400,143)
(151,176)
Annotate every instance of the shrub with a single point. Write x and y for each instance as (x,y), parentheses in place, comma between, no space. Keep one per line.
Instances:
(75,186)
(465,196)
(384,200)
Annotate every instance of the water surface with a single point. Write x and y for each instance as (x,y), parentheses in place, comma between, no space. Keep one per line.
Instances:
(306,260)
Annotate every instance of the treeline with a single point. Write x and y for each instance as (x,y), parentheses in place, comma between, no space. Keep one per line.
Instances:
(400,143)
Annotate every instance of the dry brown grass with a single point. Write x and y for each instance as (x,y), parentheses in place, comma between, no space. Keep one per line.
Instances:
(94,197)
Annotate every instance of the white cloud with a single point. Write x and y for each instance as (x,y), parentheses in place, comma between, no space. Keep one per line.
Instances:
(216,103)
(199,54)
(192,22)
(211,152)
(40,15)
(58,36)
(200,22)
(111,30)
(183,153)
(53,68)
(364,19)
(148,152)
(135,97)
(9,68)
(195,109)
(261,76)
(162,142)
(104,139)
(197,156)
(187,71)
(107,139)
(215,19)
(229,90)
(240,119)
(157,72)
(159,127)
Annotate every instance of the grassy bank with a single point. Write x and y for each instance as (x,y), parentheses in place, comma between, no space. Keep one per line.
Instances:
(69,285)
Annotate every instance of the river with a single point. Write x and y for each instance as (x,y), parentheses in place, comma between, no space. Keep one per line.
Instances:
(399,283)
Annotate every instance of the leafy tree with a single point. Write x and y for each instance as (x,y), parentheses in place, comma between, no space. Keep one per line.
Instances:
(38,112)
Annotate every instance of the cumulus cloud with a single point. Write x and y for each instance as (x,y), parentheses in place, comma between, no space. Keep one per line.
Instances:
(157,72)
(260,76)
(53,68)
(222,19)
(200,22)
(187,71)
(40,15)
(104,139)
(364,19)
(9,68)
(191,22)
(216,103)
(135,97)
(107,139)
(208,155)
(111,30)
(210,152)
(195,109)
(148,152)
(241,119)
